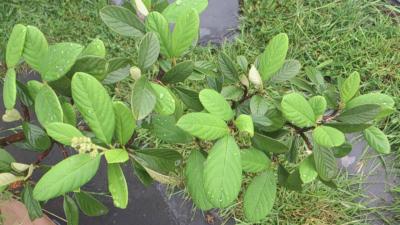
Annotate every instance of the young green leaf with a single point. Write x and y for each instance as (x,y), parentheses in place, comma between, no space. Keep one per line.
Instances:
(122,21)
(260,196)
(178,8)
(93,65)
(47,106)
(95,48)
(215,104)
(178,73)
(308,172)
(255,77)
(156,22)
(143,99)
(125,123)
(69,115)
(203,125)
(164,128)
(274,55)
(15,45)
(289,70)
(350,87)
(328,136)
(318,104)
(297,110)
(232,93)
(227,68)
(10,89)
(222,181)
(359,114)
(34,87)
(244,123)
(268,144)
(190,98)
(116,156)
(254,161)
(94,103)
(185,32)
(89,205)
(36,137)
(35,48)
(377,140)
(149,49)
(325,163)
(117,185)
(194,176)
(141,173)
(63,132)
(165,101)
(5,160)
(31,204)
(258,105)
(71,211)
(66,176)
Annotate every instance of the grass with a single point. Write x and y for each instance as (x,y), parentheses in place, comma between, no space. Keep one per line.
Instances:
(344,35)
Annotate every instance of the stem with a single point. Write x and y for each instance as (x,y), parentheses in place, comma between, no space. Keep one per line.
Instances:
(12,139)
(160,74)
(301,132)
(43,155)
(174,61)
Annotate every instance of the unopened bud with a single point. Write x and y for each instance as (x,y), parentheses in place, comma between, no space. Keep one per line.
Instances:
(135,72)
(244,81)
(11,115)
(255,78)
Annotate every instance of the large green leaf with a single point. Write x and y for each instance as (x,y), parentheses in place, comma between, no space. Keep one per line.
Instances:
(180,7)
(268,144)
(94,103)
(69,115)
(297,110)
(194,177)
(258,105)
(10,89)
(325,163)
(116,156)
(244,123)
(190,98)
(216,104)
(289,70)
(93,65)
(123,21)
(328,136)
(95,48)
(164,128)
(318,104)
(141,173)
(5,161)
(350,87)
(47,106)
(359,114)
(165,104)
(254,161)
(35,48)
(349,128)
(377,140)
(143,99)
(66,176)
(89,205)
(386,102)
(232,92)
(71,211)
(203,125)
(149,49)
(31,204)
(15,45)
(36,137)
(185,32)
(63,132)
(159,160)
(59,60)
(125,123)
(157,23)
(117,185)
(178,73)
(223,172)
(227,68)
(260,196)
(274,55)
(307,170)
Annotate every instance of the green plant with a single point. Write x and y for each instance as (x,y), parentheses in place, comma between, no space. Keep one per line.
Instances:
(239,123)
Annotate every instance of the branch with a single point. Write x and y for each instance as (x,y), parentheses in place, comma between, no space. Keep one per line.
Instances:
(12,139)
(301,132)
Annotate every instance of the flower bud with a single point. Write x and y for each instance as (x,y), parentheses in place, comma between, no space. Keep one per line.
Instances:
(255,78)
(11,115)
(135,72)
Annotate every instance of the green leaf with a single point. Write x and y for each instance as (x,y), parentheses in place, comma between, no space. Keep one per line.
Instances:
(350,87)
(254,161)
(223,172)
(47,106)
(215,104)
(227,68)
(258,105)
(10,89)
(268,144)
(178,73)
(203,125)
(69,115)
(343,150)
(141,173)
(347,127)
(117,185)
(159,160)
(94,103)
(149,49)
(35,48)
(34,87)
(244,123)
(125,123)
(71,211)
(232,93)
(185,32)
(95,48)
(66,176)
(59,60)
(289,70)
(31,204)
(15,45)
(260,196)
(386,102)
(194,177)
(5,160)
(359,114)
(93,65)
(274,55)
(63,132)
(165,104)
(328,136)
(297,110)
(179,8)
(325,163)
(122,21)
(189,98)
(377,140)
(294,182)
(36,137)
(308,172)
(318,104)
(116,156)
(143,99)
(89,205)
(164,128)
(157,23)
